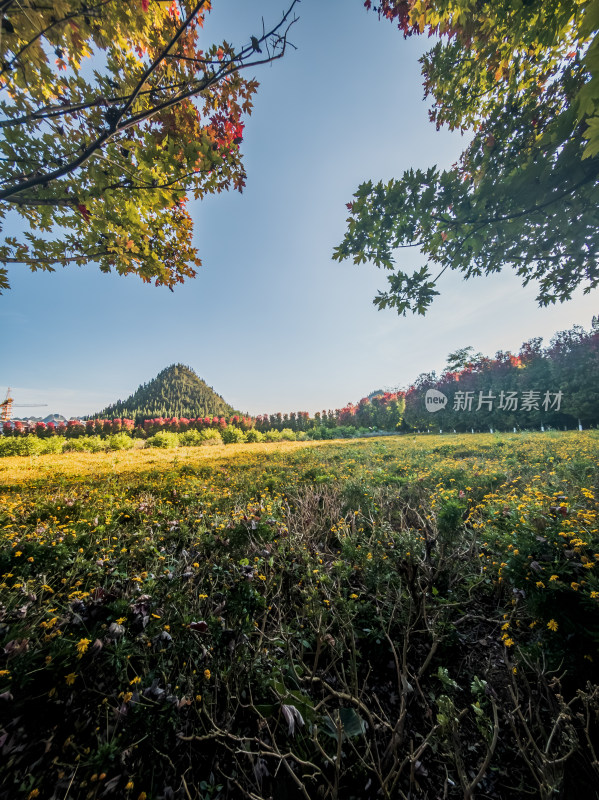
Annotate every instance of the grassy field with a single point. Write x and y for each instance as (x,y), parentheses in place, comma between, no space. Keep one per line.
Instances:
(404,617)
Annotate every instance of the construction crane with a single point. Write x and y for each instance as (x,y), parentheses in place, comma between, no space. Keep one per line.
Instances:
(7,406)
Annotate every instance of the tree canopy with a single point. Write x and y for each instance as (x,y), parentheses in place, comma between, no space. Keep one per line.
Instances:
(557,385)
(112,114)
(522,77)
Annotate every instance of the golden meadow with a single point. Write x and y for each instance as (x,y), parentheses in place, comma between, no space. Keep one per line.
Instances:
(407,616)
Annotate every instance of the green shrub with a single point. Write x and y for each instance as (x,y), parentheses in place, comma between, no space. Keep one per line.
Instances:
(163,439)
(211,436)
(287,435)
(344,432)
(254,436)
(20,446)
(272,436)
(74,446)
(232,435)
(195,438)
(322,433)
(53,445)
(191,438)
(87,444)
(94,444)
(119,441)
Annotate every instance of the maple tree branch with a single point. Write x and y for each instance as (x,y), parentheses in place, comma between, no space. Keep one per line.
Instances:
(154,65)
(215,78)
(516,214)
(115,128)
(229,67)
(57,260)
(73,15)
(51,112)
(59,173)
(73,200)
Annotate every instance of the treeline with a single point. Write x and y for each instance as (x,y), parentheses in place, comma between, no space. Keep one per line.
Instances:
(556,386)
(74,428)
(381,412)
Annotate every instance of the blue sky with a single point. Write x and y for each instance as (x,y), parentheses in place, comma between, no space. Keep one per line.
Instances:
(271,322)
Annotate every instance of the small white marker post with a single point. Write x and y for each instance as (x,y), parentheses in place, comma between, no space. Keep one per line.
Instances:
(579,425)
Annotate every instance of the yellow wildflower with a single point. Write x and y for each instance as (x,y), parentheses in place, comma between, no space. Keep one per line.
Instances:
(82,646)
(207,674)
(552,625)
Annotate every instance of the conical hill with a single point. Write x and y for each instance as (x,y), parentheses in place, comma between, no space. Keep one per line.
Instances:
(175,392)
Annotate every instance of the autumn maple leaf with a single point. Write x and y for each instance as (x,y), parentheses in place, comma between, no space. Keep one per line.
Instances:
(84,211)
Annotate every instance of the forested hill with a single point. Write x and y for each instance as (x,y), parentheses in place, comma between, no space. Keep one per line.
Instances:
(175,392)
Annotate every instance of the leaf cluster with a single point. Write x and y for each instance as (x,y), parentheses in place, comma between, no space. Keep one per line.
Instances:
(112,115)
(519,77)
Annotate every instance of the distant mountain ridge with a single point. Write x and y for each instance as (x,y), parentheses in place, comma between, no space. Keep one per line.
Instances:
(175,392)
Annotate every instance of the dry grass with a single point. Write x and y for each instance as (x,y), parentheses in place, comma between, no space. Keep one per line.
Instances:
(23,469)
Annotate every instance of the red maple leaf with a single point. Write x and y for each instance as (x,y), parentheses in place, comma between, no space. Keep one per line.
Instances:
(84,211)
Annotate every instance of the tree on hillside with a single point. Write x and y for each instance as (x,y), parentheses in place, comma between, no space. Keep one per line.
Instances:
(112,114)
(522,76)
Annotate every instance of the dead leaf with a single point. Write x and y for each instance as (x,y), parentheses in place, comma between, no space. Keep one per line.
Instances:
(292,715)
